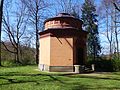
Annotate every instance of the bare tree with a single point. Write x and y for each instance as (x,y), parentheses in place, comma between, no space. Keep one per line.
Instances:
(36,8)
(107,26)
(116,32)
(15,30)
(69,6)
(65,5)
(111,17)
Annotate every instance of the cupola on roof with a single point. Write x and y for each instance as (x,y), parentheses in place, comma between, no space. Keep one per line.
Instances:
(63,20)
(64,15)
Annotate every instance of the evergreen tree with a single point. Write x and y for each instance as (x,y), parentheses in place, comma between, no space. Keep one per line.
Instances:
(89,18)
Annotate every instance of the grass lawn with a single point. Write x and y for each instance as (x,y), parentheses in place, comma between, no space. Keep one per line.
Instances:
(29,78)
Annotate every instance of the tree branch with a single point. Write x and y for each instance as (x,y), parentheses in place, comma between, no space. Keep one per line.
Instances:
(7,48)
(116,7)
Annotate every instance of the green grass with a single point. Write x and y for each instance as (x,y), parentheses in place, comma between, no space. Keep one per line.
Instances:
(29,78)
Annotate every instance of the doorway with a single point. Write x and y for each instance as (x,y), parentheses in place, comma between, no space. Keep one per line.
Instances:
(80,56)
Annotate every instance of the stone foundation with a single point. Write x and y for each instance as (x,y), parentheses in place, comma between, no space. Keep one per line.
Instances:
(43,67)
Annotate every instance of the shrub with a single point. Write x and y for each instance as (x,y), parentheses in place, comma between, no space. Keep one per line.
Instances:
(27,61)
(8,63)
(116,64)
(102,65)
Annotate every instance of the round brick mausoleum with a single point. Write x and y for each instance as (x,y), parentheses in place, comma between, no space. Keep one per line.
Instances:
(62,44)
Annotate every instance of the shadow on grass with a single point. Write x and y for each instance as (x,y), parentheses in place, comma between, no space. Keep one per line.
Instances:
(12,81)
(86,87)
(95,77)
(71,75)
(24,74)
(47,78)
(15,81)
(54,78)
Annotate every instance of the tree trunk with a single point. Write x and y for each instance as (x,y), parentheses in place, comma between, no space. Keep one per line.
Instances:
(116,35)
(37,46)
(37,38)
(94,53)
(1,13)
(17,59)
(110,50)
